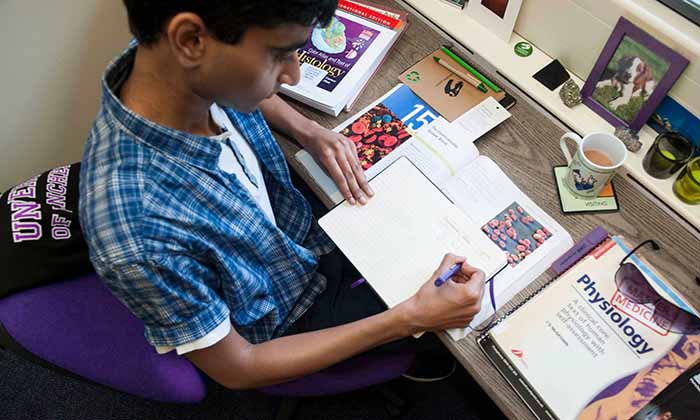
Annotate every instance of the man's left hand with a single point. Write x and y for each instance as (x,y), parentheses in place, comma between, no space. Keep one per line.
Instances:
(338,156)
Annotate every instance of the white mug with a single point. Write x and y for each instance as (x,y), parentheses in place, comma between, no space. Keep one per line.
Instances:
(587,178)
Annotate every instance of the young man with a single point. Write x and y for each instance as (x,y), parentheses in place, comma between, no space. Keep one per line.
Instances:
(190,214)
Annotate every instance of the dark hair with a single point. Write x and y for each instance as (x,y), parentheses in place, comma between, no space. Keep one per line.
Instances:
(227,20)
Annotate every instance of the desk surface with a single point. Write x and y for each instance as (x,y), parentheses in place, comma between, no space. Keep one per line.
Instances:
(526,147)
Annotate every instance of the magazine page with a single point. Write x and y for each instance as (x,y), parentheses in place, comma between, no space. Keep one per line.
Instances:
(399,124)
(530,238)
(585,350)
(335,57)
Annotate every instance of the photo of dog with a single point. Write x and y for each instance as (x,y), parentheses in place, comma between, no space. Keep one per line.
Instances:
(629,79)
(633,77)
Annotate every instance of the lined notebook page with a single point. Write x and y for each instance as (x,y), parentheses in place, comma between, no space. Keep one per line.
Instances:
(399,238)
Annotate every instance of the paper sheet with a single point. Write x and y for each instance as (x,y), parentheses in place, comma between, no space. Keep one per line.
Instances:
(482,118)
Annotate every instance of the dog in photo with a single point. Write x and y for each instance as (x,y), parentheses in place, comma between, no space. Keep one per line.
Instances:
(633,77)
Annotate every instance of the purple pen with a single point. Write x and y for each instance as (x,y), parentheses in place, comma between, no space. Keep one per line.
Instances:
(442,278)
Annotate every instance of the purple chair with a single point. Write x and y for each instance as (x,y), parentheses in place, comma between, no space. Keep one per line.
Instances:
(80,327)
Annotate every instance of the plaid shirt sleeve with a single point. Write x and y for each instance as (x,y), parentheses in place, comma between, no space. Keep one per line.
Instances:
(167,293)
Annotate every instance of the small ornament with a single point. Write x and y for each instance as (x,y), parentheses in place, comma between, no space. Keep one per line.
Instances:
(570,93)
(523,49)
(629,137)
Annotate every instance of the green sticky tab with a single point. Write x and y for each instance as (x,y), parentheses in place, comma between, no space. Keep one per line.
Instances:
(523,49)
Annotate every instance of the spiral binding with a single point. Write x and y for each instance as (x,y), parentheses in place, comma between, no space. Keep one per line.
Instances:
(538,291)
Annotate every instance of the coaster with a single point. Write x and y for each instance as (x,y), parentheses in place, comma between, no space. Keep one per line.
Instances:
(571,203)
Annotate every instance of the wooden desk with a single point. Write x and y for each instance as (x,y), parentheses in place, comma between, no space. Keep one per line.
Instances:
(526,147)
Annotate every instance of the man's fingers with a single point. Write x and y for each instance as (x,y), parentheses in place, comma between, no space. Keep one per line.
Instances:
(447,261)
(474,288)
(468,270)
(339,178)
(357,168)
(350,179)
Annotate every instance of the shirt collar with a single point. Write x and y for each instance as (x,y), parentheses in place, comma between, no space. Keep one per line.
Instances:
(196,150)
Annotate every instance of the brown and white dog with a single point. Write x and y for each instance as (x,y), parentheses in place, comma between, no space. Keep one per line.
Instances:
(633,77)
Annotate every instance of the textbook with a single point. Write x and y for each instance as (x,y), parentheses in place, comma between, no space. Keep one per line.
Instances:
(398,239)
(494,207)
(337,61)
(579,348)
(375,12)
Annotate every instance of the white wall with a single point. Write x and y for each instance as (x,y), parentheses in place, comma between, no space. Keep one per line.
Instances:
(575,31)
(53,54)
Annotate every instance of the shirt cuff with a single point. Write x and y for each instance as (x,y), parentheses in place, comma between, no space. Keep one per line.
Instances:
(213,337)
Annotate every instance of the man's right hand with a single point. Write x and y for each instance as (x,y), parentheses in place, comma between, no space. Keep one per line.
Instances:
(235,363)
(452,305)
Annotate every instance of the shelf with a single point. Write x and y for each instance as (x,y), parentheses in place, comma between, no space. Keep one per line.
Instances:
(519,71)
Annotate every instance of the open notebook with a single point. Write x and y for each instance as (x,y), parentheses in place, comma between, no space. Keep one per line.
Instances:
(399,238)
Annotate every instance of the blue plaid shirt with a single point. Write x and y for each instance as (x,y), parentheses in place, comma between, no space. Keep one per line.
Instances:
(182,243)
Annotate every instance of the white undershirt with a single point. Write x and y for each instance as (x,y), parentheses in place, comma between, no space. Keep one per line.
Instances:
(229,164)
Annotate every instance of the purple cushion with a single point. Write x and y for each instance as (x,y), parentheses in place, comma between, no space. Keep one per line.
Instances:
(80,326)
(359,372)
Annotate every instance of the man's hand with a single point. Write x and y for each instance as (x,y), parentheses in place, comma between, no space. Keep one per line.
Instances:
(452,305)
(334,151)
(338,156)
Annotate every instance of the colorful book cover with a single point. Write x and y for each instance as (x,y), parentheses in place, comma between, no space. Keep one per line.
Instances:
(581,349)
(336,48)
(385,126)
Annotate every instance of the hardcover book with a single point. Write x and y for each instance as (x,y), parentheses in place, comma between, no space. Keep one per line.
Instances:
(338,60)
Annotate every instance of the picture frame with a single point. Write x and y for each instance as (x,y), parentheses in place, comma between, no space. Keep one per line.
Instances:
(631,76)
(498,16)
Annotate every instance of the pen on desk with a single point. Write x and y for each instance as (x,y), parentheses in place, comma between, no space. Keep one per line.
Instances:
(442,278)
(471,69)
(468,77)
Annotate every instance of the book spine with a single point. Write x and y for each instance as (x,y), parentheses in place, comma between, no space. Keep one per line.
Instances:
(516,380)
(369,14)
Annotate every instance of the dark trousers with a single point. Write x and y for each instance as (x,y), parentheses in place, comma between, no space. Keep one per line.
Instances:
(340,304)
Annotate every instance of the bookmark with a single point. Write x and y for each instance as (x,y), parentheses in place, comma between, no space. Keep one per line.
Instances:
(579,250)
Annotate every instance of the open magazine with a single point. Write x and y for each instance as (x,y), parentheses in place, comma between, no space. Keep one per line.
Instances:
(489,201)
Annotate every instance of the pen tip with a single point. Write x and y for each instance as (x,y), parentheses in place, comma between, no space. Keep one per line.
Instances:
(436,59)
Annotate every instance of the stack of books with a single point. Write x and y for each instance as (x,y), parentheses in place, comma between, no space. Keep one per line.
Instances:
(339,60)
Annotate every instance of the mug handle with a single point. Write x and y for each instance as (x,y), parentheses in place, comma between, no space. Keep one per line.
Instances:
(565,148)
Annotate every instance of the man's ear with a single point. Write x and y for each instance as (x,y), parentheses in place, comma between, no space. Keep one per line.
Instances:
(187,36)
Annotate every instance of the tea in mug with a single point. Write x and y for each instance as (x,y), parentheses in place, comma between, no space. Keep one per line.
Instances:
(598,157)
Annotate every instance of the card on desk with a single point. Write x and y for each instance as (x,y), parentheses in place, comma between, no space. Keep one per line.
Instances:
(443,90)
(400,237)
